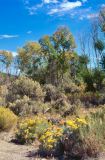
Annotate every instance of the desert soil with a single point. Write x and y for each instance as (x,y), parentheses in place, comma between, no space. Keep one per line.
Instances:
(12,151)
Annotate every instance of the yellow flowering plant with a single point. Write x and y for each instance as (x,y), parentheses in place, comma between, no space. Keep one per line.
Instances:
(31,128)
(77,123)
(7,119)
(51,137)
(49,134)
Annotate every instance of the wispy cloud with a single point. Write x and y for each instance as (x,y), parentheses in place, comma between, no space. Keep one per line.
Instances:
(52,7)
(73,8)
(7,36)
(50,1)
(89,16)
(92,16)
(65,6)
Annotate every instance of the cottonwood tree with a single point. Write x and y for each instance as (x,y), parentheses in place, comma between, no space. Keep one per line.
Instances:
(6,58)
(30,60)
(58,50)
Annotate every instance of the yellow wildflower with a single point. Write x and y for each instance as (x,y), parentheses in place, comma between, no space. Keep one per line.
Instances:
(72,124)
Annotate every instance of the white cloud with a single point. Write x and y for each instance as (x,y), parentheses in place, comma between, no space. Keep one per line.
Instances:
(32,9)
(7,36)
(65,6)
(50,1)
(52,7)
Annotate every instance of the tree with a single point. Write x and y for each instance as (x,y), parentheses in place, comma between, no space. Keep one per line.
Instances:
(99,45)
(49,59)
(82,66)
(26,55)
(6,58)
(58,50)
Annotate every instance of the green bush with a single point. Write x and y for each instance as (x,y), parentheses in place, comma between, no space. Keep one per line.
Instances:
(24,86)
(24,95)
(50,92)
(61,104)
(72,88)
(3,94)
(7,119)
(25,106)
(94,79)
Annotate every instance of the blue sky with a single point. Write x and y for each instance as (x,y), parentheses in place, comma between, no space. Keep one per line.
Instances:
(28,20)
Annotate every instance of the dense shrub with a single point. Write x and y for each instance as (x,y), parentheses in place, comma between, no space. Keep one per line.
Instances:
(94,80)
(25,106)
(50,92)
(3,94)
(90,99)
(7,119)
(93,134)
(31,128)
(25,86)
(21,106)
(61,104)
(54,139)
(72,88)
(57,98)
(50,139)
(24,96)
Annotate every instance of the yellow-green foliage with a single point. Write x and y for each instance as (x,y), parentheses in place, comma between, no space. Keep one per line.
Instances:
(31,128)
(7,119)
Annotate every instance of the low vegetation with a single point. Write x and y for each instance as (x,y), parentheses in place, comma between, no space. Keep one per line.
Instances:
(7,119)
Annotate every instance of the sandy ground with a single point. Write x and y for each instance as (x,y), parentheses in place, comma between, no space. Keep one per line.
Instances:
(12,151)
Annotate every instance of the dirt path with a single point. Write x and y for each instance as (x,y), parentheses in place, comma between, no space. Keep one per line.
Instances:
(10,151)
